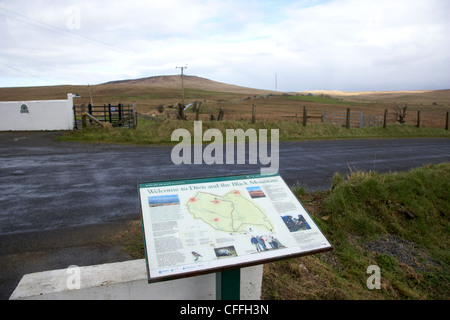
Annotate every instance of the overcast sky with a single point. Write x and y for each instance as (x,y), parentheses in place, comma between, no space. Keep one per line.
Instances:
(349,45)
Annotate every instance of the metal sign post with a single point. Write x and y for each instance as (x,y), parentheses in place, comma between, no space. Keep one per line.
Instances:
(228,285)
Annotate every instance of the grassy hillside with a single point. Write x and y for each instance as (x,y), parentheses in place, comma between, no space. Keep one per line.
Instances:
(398,222)
(148,93)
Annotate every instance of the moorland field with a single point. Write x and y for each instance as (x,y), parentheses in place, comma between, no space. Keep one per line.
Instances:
(153,92)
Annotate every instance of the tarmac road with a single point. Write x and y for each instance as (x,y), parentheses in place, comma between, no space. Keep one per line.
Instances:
(57,198)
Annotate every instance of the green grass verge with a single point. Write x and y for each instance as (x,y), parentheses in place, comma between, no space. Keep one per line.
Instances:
(159,132)
(397,221)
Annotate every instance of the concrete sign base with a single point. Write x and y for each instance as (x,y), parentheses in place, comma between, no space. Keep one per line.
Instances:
(126,281)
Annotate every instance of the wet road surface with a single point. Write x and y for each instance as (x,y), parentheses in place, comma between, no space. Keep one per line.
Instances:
(60,184)
(52,190)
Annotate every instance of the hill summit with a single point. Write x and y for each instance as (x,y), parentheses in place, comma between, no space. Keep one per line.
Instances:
(191,82)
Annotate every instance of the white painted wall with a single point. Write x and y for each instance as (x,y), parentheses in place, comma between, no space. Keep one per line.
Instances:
(126,281)
(41,115)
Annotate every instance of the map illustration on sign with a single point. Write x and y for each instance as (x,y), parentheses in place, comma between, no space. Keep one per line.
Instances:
(232,212)
(205,225)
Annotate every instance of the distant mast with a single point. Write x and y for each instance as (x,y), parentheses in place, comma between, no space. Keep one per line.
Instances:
(182,83)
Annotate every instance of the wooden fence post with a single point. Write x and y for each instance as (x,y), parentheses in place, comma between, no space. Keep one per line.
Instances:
(109,113)
(305,116)
(197,110)
(418,119)
(92,118)
(385,118)
(119,106)
(221,113)
(180,113)
(83,116)
(135,121)
(447,120)
(253,113)
(347,119)
(90,112)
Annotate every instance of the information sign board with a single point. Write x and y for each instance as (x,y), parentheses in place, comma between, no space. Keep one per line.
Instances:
(207,225)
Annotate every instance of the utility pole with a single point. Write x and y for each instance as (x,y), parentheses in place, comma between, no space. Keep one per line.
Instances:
(90,94)
(182,83)
(276,82)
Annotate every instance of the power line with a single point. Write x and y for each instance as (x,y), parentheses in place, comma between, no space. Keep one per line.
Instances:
(27,73)
(55,29)
(49,28)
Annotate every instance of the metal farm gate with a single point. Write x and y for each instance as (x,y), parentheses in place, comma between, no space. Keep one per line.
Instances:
(118,116)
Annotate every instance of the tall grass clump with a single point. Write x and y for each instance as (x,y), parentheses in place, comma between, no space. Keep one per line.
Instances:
(395,203)
(412,207)
(159,130)
(397,221)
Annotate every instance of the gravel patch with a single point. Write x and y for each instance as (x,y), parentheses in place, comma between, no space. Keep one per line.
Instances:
(404,251)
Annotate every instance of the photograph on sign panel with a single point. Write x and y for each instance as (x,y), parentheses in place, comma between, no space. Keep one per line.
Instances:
(166,200)
(225,252)
(265,242)
(255,192)
(296,224)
